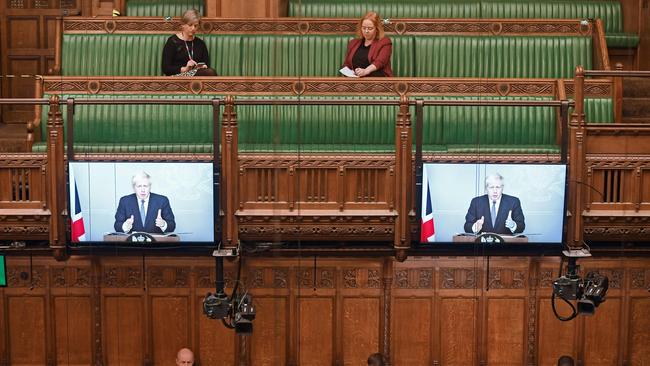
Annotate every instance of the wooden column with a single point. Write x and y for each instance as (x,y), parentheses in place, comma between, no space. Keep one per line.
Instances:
(229,172)
(56,178)
(403,177)
(576,162)
(385,331)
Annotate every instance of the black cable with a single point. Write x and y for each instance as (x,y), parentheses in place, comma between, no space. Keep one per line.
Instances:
(573,309)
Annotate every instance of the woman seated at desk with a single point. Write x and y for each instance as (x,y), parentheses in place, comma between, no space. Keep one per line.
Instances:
(184,54)
(369,53)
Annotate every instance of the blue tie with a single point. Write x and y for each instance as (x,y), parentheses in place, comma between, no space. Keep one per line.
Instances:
(142,216)
(493,213)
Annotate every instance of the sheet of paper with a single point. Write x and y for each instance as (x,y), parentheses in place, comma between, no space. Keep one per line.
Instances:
(348,72)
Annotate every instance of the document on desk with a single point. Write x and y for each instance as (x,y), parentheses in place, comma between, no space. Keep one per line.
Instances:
(348,72)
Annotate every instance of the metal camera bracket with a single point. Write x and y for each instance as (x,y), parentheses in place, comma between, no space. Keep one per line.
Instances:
(577,253)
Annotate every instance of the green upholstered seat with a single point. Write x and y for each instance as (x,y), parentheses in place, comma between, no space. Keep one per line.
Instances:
(501,57)
(161,8)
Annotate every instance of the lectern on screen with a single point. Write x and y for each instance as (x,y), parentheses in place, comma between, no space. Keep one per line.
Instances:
(141,204)
(496,205)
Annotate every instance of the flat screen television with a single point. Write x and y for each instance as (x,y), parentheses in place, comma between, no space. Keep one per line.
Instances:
(142,204)
(493,205)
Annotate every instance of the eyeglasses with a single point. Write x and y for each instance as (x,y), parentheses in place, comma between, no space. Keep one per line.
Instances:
(367,29)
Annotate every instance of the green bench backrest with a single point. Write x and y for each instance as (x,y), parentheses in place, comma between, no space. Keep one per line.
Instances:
(387,9)
(607,10)
(501,57)
(331,128)
(161,8)
(486,127)
(322,55)
(599,110)
(138,128)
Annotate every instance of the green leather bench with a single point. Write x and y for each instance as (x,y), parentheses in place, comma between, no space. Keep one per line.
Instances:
(501,57)
(607,10)
(307,128)
(161,8)
(322,55)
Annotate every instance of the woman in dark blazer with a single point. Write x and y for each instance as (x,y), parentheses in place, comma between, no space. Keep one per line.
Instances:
(369,53)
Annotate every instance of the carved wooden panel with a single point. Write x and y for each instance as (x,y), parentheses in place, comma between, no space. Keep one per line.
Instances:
(412,331)
(316,321)
(270,336)
(73,330)
(124,332)
(170,320)
(216,343)
(639,331)
(459,330)
(505,331)
(360,322)
(602,334)
(27,332)
(556,338)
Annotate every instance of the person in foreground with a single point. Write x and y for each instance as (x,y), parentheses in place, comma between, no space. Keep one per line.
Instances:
(143,210)
(565,361)
(377,359)
(369,53)
(185,357)
(185,54)
(495,212)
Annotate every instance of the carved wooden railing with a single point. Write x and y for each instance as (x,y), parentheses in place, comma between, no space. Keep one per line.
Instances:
(384,217)
(612,169)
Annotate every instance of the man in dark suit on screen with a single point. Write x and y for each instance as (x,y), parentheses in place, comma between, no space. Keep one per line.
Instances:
(495,212)
(143,210)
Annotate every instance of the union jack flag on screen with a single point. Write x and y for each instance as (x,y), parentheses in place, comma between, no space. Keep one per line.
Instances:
(427,228)
(76,214)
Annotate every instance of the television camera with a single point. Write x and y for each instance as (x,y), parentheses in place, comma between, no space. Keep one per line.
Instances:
(235,311)
(588,292)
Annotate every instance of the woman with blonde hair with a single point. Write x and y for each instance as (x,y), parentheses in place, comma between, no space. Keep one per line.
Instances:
(369,53)
(185,54)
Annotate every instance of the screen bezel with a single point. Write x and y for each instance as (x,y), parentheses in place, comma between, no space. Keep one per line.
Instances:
(481,249)
(3,265)
(184,245)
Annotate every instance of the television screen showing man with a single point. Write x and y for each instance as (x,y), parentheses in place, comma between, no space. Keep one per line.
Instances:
(144,211)
(495,212)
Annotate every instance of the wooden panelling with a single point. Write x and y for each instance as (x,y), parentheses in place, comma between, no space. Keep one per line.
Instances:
(27,330)
(602,340)
(556,338)
(360,323)
(412,336)
(21,32)
(505,331)
(216,342)
(124,330)
(269,340)
(73,330)
(170,327)
(316,331)
(639,335)
(331,313)
(458,331)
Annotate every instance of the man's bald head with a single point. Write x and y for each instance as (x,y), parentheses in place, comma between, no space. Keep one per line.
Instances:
(185,357)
